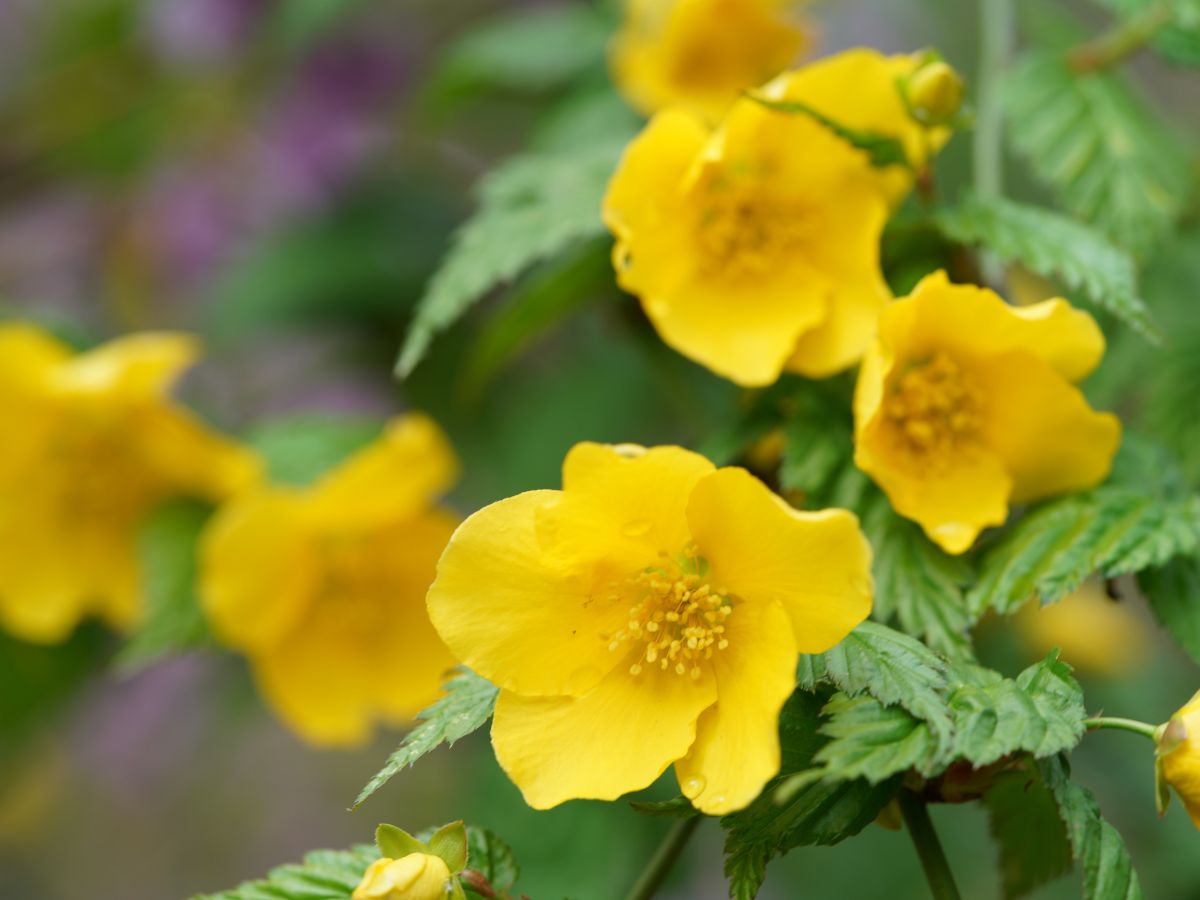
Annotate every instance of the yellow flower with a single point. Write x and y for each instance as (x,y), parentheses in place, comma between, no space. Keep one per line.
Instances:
(1179,757)
(701,54)
(1097,635)
(649,613)
(418,876)
(322,588)
(754,249)
(965,404)
(94,444)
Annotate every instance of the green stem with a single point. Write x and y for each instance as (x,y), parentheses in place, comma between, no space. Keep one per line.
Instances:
(929,848)
(997,35)
(1122,40)
(1133,725)
(664,859)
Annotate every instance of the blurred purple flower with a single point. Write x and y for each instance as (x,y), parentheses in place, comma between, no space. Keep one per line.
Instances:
(198,32)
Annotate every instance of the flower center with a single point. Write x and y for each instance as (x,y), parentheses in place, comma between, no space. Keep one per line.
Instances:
(934,408)
(745,233)
(676,616)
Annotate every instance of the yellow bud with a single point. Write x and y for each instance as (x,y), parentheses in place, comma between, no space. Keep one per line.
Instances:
(935,92)
(418,876)
(1179,756)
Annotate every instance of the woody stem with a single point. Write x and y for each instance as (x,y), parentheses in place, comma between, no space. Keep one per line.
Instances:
(929,848)
(664,859)
(1098,722)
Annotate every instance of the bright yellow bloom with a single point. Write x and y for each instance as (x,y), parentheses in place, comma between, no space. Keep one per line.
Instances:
(701,54)
(418,876)
(1179,756)
(862,90)
(649,613)
(754,249)
(322,588)
(965,404)
(94,444)
(1096,634)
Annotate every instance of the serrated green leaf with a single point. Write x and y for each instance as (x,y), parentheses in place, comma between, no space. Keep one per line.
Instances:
(1028,831)
(917,583)
(324,875)
(467,705)
(488,854)
(818,443)
(745,870)
(174,621)
(1054,246)
(1173,592)
(1114,530)
(299,449)
(531,208)
(1107,868)
(1089,136)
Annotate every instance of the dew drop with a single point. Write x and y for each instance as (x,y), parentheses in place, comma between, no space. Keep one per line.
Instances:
(718,801)
(693,787)
(637,528)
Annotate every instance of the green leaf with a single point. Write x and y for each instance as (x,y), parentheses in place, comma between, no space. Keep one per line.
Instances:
(532,50)
(1028,831)
(1107,868)
(300,449)
(1179,40)
(531,208)
(745,870)
(818,442)
(395,843)
(1054,246)
(488,854)
(1114,530)
(324,875)
(450,843)
(173,621)
(1089,136)
(1173,592)
(675,808)
(882,149)
(917,583)
(468,704)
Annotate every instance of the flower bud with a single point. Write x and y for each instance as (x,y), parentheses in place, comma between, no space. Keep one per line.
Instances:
(1179,757)
(935,93)
(418,876)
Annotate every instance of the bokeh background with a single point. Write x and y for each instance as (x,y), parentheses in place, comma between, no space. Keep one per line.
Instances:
(282,178)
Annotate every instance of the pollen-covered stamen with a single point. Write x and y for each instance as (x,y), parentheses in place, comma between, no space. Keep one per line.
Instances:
(677,616)
(934,407)
(746,232)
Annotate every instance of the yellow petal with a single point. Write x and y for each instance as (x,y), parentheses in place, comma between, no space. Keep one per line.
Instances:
(975,322)
(651,170)
(737,741)
(257,568)
(188,457)
(815,565)
(618,738)
(137,366)
(394,477)
(521,616)
(27,357)
(1050,440)
(643,493)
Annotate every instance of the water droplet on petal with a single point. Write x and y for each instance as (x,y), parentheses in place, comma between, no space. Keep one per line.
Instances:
(718,801)
(694,786)
(637,528)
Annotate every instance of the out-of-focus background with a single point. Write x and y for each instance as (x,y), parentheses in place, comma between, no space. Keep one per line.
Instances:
(282,178)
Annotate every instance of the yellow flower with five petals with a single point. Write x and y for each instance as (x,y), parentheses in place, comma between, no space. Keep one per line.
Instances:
(701,54)
(753,249)
(965,404)
(95,444)
(649,613)
(1178,759)
(323,587)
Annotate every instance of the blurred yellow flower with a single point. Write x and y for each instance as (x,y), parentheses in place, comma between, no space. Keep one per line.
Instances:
(323,587)
(701,54)
(1179,756)
(754,249)
(418,876)
(95,444)
(1097,635)
(863,90)
(965,404)
(649,613)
